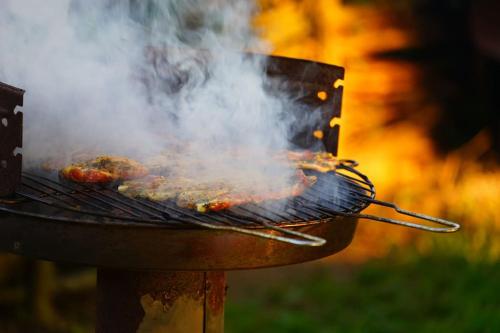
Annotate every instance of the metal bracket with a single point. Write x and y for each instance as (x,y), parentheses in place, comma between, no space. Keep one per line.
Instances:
(320,87)
(11,137)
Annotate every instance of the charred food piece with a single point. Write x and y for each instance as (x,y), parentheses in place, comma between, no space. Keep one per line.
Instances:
(213,201)
(104,169)
(155,188)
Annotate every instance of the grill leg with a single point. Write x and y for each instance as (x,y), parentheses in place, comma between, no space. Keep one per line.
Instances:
(143,302)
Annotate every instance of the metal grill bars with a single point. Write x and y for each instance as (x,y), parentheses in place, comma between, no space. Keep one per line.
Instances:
(341,192)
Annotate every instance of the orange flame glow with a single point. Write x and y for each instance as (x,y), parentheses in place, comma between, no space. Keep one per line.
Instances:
(398,155)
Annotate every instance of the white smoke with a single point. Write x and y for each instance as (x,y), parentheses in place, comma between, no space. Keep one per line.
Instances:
(133,77)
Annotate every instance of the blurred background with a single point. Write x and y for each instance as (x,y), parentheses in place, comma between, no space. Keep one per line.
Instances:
(421,115)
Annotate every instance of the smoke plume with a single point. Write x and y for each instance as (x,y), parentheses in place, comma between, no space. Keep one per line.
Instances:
(136,78)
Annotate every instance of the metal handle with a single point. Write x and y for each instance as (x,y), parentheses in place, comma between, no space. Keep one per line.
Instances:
(307,240)
(345,163)
(450,226)
(349,166)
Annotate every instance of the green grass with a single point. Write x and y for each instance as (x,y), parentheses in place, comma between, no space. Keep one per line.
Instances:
(432,293)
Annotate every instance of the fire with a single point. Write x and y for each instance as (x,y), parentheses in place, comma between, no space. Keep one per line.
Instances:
(392,146)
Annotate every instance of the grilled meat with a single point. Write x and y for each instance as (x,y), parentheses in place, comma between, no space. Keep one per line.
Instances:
(169,179)
(307,160)
(209,196)
(217,201)
(155,188)
(104,169)
(168,163)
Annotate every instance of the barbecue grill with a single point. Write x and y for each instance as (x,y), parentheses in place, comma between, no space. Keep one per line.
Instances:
(161,267)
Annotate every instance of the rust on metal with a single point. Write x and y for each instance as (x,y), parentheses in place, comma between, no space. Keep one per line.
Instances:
(150,248)
(130,301)
(215,294)
(168,287)
(11,137)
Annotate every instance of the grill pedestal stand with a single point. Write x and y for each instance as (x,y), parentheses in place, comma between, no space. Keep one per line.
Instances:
(130,302)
